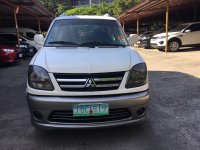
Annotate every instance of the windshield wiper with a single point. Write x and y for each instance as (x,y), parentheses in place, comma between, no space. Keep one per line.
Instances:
(97,43)
(65,43)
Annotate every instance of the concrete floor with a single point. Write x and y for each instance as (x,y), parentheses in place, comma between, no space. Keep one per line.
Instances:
(173,121)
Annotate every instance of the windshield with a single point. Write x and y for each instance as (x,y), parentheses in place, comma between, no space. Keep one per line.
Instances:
(179,28)
(26,37)
(85,32)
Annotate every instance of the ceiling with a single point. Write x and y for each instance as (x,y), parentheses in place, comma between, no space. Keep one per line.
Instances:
(29,13)
(149,8)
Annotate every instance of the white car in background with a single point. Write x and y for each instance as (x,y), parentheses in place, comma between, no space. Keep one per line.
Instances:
(30,41)
(187,34)
(30,33)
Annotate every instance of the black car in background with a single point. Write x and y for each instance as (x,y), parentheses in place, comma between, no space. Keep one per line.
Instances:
(145,38)
(26,49)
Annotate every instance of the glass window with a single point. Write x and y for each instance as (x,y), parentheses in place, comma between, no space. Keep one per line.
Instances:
(81,31)
(84,2)
(95,1)
(30,35)
(179,28)
(194,27)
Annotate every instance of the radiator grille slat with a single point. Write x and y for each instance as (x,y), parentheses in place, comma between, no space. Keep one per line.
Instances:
(67,117)
(89,82)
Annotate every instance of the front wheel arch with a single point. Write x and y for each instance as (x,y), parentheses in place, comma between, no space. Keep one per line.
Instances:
(175,39)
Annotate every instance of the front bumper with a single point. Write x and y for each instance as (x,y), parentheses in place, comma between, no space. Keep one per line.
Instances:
(158,43)
(144,43)
(47,104)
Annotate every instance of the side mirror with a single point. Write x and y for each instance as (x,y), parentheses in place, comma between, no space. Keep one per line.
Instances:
(133,38)
(187,31)
(39,39)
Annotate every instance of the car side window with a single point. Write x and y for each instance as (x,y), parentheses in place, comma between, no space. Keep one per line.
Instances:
(30,34)
(194,27)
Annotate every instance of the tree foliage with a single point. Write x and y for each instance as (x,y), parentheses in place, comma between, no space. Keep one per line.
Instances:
(122,5)
(100,9)
(114,9)
(56,6)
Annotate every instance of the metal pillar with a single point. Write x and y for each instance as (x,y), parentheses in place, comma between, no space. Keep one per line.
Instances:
(167,24)
(138,25)
(39,27)
(17,28)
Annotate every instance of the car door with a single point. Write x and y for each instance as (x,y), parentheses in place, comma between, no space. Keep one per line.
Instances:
(192,37)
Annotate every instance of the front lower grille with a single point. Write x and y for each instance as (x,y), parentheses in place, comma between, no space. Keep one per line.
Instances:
(67,117)
(154,38)
(89,82)
(154,45)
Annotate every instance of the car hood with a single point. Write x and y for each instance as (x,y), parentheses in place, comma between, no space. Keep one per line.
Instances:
(164,34)
(86,60)
(5,46)
(145,36)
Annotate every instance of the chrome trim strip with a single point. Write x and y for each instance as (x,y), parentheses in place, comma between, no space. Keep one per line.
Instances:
(72,86)
(108,79)
(71,80)
(107,85)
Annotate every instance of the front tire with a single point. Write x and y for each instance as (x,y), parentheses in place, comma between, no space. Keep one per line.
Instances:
(174,46)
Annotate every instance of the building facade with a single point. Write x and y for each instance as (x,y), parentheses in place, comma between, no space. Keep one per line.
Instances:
(79,3)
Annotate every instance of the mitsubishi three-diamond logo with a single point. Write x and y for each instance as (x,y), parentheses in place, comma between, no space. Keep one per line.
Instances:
(90,83)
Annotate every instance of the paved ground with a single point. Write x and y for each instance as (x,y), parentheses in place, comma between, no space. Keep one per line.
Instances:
(173,121)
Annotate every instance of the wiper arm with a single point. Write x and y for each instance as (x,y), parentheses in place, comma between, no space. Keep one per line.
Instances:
(118,45)
(97,43)
(66,43)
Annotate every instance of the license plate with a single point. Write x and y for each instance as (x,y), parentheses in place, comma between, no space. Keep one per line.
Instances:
(31,50)
(20,55)
(84,110)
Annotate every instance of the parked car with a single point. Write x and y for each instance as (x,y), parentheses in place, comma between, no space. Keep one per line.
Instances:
(30,33)
(13,36)
(187,34)
(27,50)
(89,78)
(9,54)
(144,40)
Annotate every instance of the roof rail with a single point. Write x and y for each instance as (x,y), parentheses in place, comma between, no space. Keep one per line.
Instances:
(63,14)
(106,15)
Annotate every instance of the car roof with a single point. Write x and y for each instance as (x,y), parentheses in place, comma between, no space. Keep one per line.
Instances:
(190,23)
(85,17)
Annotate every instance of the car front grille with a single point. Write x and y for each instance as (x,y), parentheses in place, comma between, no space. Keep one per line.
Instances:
(89,82)
(154,45)
(67,117)
(154,38)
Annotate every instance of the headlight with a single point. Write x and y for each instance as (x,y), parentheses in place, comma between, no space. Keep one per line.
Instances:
(8,50)
(145,38)
(38,78)
(137,76)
